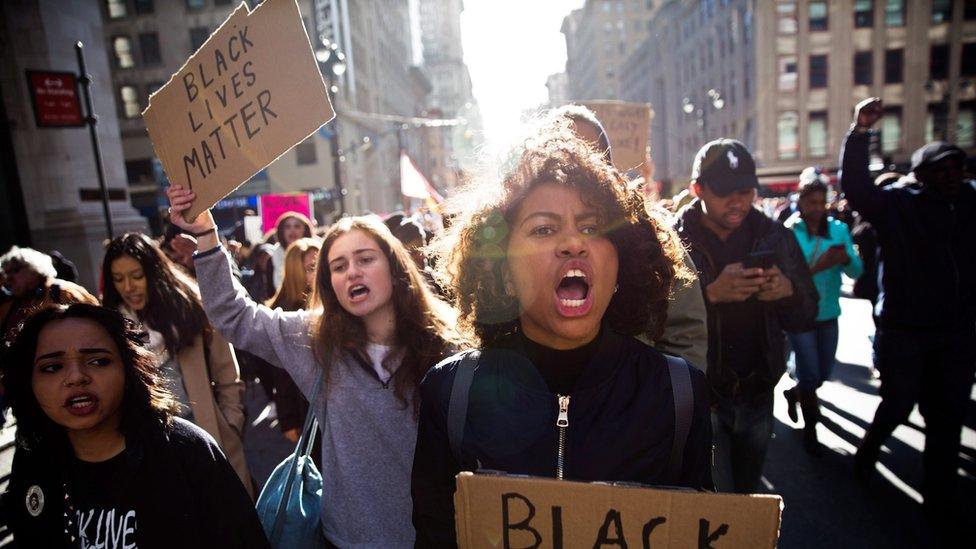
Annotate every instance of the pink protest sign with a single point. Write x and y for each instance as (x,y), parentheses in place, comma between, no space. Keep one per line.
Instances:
(273,205)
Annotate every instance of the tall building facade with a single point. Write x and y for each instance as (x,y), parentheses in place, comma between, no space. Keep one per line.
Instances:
(696,69)
(452,96)
(784,76)
(558,86)
(149,40)
(599,38)
(49,187)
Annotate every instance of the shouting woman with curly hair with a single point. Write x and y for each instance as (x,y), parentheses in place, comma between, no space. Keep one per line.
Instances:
(555,269)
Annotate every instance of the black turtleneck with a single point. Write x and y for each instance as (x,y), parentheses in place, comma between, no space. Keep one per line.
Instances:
(560,369)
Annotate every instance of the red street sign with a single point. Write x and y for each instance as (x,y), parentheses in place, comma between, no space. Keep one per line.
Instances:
(55,99)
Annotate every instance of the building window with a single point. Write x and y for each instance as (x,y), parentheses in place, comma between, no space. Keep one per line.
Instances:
(817,135)
(305,153)
(969,10)
(222,2)
(786,14)
(116,9)
(965,136)
(939,62)
(818,16)
(818,71)
(787,74)
(195,4)
(129,97)
(143,7)
(863,68)
(863,13)
(891,130)
(152,87)
(198,35)
(941,11)
(149,46)
(895,13)
(894,66)
(935,123)
(967,65)
(122,48)
(786,129)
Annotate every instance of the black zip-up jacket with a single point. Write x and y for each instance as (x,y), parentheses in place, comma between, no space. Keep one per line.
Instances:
(796,313)
(621,427)
(928,246)
(183,490)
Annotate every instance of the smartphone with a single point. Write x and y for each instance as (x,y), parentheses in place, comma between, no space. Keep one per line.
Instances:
(762,259)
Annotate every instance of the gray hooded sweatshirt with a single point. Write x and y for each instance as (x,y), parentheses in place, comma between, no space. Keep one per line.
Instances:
(368,435)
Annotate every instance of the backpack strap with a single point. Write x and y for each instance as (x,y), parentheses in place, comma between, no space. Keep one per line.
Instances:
(684,400)
(457,408)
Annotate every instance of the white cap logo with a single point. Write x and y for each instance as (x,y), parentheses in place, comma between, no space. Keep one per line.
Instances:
(733,160)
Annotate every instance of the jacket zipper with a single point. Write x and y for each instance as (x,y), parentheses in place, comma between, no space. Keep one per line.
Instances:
(562,423)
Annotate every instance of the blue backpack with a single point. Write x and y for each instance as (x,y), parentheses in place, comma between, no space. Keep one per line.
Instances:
(290,503)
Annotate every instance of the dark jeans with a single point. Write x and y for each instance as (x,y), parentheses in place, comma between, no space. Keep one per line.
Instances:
(815,351)
(936,371)
(741,434)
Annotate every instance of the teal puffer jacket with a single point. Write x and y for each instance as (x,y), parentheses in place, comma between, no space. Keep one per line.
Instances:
(828,282)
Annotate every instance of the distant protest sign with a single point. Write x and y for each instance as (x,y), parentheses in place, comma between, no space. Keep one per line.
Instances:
(628,125)
(505,511)
(250,93)
(273,205)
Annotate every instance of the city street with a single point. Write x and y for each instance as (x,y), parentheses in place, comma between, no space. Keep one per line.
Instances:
(824,505)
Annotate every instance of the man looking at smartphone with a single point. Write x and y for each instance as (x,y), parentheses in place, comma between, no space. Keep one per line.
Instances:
(756,283)
(926,226)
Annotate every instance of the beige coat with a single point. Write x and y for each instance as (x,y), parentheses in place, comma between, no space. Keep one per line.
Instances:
(217,397)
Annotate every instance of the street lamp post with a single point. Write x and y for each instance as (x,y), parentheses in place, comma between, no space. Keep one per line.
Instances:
(715,101)
(332,63)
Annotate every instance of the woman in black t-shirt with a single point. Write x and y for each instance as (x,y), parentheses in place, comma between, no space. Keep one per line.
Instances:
(101,460)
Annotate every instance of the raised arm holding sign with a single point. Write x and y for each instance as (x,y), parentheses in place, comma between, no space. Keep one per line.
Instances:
(250,93)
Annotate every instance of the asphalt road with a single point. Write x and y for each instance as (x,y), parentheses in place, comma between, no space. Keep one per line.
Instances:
(823,505)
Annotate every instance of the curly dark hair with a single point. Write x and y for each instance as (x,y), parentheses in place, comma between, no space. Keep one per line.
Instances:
(472,253)
(173,306)
(146,401)
(425,331)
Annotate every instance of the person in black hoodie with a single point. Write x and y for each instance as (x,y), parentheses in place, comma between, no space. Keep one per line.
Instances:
(101,459)
(554,270)
(751,300)
(926,225)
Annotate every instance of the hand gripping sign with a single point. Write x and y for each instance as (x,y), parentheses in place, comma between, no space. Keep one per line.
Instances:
(250,93)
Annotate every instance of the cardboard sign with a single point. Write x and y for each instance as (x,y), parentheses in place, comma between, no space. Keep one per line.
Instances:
(54,96)
(274,205)
(250,93)
(628,125)
(509,512)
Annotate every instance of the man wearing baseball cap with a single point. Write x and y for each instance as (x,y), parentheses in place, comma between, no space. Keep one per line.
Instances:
(756,284)
(926,226)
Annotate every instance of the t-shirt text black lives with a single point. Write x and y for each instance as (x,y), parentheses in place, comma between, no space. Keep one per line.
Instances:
(104,519)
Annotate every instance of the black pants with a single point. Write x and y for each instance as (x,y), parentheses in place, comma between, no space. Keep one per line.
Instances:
(936,371)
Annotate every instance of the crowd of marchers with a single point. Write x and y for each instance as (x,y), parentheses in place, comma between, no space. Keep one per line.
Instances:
(577,314)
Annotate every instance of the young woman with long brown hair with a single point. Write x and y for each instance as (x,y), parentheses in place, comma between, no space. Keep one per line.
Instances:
(199,366)
(373,331)
(293,295)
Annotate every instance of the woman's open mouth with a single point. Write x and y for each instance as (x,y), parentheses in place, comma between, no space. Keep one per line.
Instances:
(358,293)
(573,297)
(81,404)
